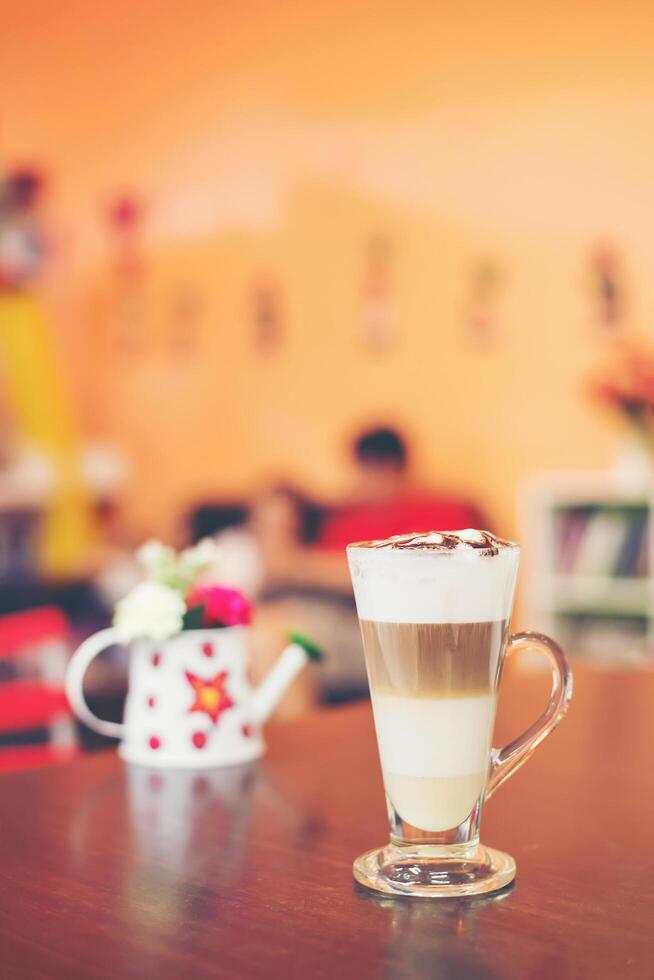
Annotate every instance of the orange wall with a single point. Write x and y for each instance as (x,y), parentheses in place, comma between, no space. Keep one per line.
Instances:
(275,138)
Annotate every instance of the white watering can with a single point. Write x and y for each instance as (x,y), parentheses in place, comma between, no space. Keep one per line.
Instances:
(189,701)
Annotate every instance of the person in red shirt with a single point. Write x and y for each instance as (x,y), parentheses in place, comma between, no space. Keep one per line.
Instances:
(385,501)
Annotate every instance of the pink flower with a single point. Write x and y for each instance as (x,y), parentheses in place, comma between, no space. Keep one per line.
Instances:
(222,606)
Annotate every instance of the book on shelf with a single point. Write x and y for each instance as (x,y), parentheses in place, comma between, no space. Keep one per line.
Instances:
(571,531)
(604,543)
(634,549)
(600,545)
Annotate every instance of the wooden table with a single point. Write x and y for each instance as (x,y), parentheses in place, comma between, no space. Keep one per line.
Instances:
(247,872)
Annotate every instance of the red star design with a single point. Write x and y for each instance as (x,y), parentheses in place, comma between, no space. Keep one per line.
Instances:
(210,695)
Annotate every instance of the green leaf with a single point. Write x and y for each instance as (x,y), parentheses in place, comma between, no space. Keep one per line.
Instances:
(193,617)
(311,649)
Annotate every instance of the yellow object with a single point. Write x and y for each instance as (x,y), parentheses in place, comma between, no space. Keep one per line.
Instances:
(44,419)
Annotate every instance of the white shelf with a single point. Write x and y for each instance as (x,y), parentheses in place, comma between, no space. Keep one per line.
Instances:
(618,611)
(587,593)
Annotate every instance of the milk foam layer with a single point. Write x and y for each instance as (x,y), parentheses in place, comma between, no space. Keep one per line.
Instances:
(434,755)
(440,577)
(437,737)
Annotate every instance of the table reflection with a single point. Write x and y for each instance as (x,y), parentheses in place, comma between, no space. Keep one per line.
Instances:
(437,938)
(195,835)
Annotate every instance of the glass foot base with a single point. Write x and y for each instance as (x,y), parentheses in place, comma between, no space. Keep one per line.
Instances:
(434,872)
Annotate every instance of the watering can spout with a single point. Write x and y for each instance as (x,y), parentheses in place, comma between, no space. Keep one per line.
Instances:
(279,678)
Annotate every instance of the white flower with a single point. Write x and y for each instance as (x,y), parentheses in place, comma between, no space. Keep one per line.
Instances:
(161,565)
(201,556)
(151,610)
(155,556)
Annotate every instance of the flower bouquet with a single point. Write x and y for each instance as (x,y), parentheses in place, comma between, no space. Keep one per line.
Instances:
(175,595)
(625,384)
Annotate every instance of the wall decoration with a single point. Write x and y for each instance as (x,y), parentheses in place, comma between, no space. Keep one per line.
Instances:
(185,314)
(607,285)
(128,304)
(378,312)
(267,316)
(128,312)
(481,312)
(22,241)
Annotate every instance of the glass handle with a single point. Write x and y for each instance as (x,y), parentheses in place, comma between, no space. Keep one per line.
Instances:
(505,761)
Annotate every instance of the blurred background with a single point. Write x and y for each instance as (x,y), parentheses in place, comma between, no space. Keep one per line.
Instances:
(292,274)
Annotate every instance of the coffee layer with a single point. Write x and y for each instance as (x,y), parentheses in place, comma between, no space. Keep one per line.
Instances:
(433,689)
(433,660)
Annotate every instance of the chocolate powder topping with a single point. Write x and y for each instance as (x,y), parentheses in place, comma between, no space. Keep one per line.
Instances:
(481,541)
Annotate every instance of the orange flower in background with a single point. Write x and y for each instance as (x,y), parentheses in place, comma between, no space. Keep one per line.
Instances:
(211,696)
(626,380)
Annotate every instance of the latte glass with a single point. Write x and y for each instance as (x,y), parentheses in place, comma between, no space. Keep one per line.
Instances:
(434,612)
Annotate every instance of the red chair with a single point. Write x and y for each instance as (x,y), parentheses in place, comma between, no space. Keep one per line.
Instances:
(36,644)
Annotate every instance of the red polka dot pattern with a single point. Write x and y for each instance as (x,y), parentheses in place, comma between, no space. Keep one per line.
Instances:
(199,740)
(151,702)
(155,743)
(247,731)
(156,659)
(207,649)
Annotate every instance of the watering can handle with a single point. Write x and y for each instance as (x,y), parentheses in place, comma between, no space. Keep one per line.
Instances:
(80,660)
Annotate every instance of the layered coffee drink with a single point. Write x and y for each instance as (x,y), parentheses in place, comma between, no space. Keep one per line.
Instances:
(434,633)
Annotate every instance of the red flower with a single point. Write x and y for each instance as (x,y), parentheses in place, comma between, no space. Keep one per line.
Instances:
(221,606)
(626,379)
